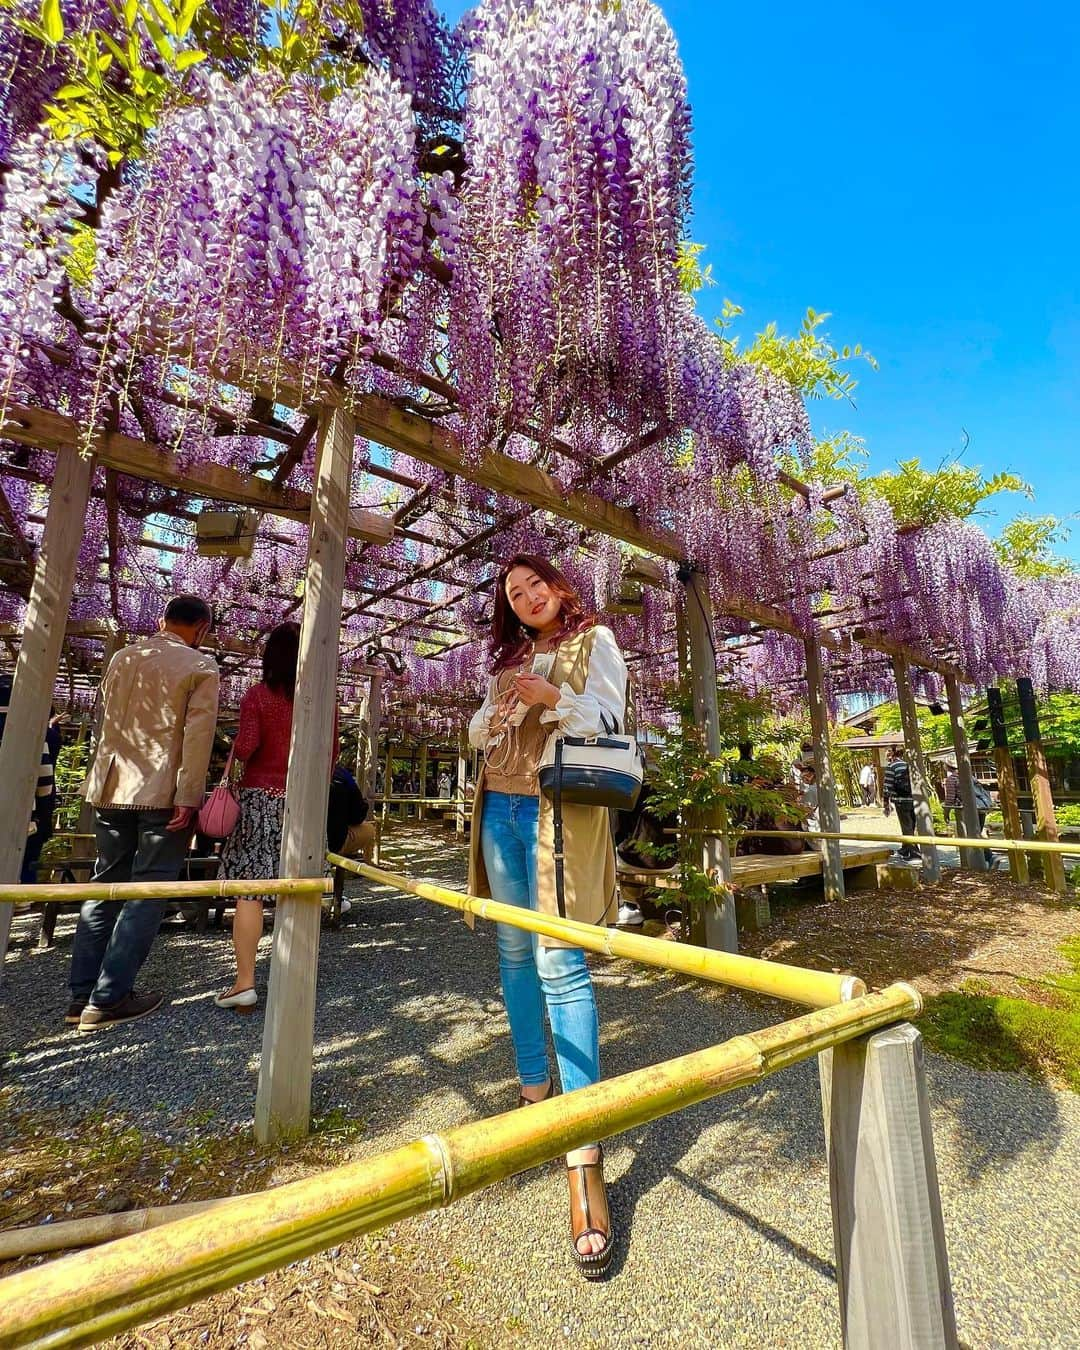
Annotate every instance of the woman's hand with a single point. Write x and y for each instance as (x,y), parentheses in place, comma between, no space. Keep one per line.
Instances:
(534,689)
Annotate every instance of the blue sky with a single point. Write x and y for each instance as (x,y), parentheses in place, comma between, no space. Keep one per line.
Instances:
(913,170)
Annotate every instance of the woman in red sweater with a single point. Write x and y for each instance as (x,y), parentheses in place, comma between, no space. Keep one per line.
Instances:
(254,847)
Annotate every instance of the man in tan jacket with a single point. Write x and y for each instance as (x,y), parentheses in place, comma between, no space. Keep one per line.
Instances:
(146,784)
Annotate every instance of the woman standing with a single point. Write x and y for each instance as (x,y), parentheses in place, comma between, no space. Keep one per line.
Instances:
(554,670)
(253,850)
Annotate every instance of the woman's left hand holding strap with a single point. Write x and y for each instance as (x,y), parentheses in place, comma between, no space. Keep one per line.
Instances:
(534,689)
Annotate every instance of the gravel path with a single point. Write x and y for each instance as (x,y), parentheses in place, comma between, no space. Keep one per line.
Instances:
(727,1203)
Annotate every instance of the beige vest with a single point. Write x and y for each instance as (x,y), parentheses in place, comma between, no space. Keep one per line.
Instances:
(590,854)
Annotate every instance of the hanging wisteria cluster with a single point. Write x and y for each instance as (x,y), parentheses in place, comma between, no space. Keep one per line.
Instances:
(483,225)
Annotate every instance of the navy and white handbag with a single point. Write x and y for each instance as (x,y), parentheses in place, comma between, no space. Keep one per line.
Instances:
(605,771)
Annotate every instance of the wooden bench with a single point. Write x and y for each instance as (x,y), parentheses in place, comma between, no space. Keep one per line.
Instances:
(753,873)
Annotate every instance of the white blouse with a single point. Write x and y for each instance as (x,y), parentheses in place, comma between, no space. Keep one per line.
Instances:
(574,714)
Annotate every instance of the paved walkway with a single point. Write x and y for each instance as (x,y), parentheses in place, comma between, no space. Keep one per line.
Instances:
(724,1208)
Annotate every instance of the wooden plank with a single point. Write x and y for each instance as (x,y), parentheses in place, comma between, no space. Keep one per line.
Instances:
(283,1101)
(971,859)
(763,869)
(828,807)
(721,929)
(892,1265)
(909,718)
(37,664)
(212,482)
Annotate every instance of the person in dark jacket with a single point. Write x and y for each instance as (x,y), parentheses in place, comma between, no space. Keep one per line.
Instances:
(898,793)
(348,829)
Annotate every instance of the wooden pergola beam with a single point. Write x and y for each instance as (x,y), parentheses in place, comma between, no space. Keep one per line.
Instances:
(878,642)
(380,420)
(47,430)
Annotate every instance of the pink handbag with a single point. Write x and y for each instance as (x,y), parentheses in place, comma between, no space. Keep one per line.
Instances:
(219,814)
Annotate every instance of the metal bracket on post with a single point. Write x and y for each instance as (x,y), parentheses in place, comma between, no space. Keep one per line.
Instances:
(892,1266)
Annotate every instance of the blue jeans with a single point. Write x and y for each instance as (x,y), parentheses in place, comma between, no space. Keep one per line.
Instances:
(533,975)
(114,937)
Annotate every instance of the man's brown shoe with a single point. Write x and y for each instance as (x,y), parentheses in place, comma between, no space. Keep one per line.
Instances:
(126,1010)
(75,1011)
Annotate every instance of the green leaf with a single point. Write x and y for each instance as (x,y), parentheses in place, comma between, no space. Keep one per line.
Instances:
(160,41)
(188,59)
(70,91)
(52,21)
(165,14)
(187,16)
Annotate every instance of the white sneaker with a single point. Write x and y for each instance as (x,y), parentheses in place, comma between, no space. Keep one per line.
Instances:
(630,916)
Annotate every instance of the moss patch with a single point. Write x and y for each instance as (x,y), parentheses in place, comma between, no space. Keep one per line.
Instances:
(1039,1033)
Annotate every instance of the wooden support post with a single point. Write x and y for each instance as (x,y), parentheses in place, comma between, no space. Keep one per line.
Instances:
(970,858)
(421,809)
(1041,792)
(283,1101)
(462,765)
(37,664)
(388,781)
(892,1266)
(920,791)
(374,726)
(828,807)
(1008,796)
(721,931)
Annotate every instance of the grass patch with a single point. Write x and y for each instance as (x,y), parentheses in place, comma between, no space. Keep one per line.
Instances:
(1040,1034)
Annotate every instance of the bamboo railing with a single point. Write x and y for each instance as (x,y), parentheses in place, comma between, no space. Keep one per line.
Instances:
(925,840)
(814,988)
(84,1298)
(163,890)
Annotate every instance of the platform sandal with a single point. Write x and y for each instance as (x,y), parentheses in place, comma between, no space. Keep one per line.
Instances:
(589,1213)
(527,1101)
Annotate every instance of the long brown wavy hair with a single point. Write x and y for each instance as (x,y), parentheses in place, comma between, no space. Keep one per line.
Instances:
(510,638)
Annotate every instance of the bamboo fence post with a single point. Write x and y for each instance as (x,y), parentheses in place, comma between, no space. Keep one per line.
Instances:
(95,1229)
(283,1099)
(920,789)
(1008,795)
(721,931)
(970,858)
(87,1296)
(1041,792)
(892,1266)
(828,807)
(38,662)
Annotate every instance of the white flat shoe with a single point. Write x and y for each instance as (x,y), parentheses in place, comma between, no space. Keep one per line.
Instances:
(243,1001)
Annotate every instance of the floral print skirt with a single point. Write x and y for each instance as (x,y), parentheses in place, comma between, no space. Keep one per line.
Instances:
(253,850)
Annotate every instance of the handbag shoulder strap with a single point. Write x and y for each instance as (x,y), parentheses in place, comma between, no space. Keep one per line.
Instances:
(557,821)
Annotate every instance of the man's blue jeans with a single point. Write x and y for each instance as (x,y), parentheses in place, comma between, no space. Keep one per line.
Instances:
(114,937)
(532,974)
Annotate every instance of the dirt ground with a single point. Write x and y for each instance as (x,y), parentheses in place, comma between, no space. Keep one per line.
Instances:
(966,926)
(375,1292)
